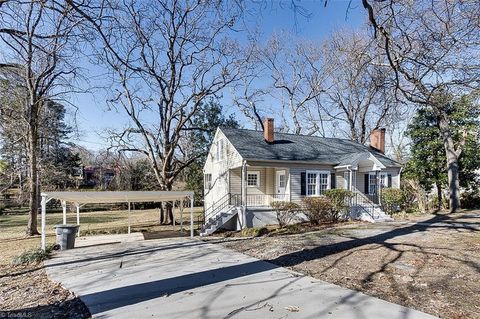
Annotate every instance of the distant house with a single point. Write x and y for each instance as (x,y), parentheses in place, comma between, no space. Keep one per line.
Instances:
(95,176)
(246,170)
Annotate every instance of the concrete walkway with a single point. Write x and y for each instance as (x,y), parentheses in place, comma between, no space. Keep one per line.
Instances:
(184,278)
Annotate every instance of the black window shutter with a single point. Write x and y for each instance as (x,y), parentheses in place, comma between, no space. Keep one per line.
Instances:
(333,181)
(303,183)
(389,180)
(367,191)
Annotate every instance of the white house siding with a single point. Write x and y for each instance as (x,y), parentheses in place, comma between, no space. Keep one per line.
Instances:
(295,178)
(267,184)
(340,182)
(360,181)
(236,181)
(220,169)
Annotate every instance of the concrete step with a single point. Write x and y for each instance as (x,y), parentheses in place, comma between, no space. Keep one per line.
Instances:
(217,221)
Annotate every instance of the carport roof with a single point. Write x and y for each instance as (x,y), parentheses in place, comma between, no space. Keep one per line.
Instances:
(118,197)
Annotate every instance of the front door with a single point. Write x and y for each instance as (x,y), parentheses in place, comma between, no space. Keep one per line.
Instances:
(281,185)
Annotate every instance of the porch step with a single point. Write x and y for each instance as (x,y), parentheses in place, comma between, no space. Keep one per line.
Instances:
(370,213)
(214,223)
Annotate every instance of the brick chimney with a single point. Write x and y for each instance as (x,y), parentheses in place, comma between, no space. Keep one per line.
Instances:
(377,140)
(268,133)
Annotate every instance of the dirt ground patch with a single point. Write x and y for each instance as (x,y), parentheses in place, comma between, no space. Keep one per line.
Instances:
(14,242)
(26,292)
(431,264)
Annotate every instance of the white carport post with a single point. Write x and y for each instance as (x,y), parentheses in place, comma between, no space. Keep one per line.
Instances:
(191,216)
(129,218)
(181,204)
(64,208)
(44,211)
(78,218)
(173,213)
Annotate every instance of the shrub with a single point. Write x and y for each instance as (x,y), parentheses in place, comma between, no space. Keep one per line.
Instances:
(318,209)
(33,256)
(393,199)
(433,202)
(340,199)
(286,212)
(254,232)
(470,199)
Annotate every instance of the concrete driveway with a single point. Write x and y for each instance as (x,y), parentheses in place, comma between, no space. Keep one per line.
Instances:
(184,278)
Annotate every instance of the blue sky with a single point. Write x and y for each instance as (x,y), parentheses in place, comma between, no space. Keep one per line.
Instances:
(94,118)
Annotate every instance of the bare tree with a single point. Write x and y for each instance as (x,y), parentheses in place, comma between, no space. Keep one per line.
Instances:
(165,59)
(37,47)
(296,79)
(432,46)
(358,90)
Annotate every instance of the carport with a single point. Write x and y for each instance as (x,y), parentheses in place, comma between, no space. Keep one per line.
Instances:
(80,199)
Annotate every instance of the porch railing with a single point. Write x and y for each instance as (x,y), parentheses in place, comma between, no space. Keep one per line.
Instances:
(365,202)
(260,200)
(374,198)
(218,206)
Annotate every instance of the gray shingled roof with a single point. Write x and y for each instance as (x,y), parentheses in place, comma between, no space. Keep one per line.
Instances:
(289,147)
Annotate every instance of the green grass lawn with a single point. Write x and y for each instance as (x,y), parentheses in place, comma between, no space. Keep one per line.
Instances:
(13,240)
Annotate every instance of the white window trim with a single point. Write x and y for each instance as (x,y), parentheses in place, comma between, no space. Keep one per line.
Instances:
(258,178)
(317,188)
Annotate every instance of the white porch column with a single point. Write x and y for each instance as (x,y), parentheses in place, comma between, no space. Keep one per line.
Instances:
(350,180)
(173,214)
(44,211)
(244,184)
(191,216)
(241,216)
(64,207)
(180,204)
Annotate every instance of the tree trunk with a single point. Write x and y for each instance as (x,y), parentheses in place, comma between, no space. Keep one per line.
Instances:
(452,162)
(166,209)
(439,196)
(453,183)
(33,182)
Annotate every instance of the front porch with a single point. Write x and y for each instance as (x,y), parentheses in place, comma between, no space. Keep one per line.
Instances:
(253,187)
(259,186)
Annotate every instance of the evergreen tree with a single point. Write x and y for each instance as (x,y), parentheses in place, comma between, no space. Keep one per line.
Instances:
(428,155)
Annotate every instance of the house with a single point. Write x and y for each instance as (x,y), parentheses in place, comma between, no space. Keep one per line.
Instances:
(95,176)
(246,170)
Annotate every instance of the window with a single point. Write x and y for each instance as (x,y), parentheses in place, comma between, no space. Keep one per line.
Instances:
(253,179)
(383,180)
(317,182)
(207,181)
(220,150)
(372,183)
(312,184)
(281,180)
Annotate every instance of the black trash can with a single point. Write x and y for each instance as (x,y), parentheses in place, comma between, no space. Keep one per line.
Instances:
(66,235)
